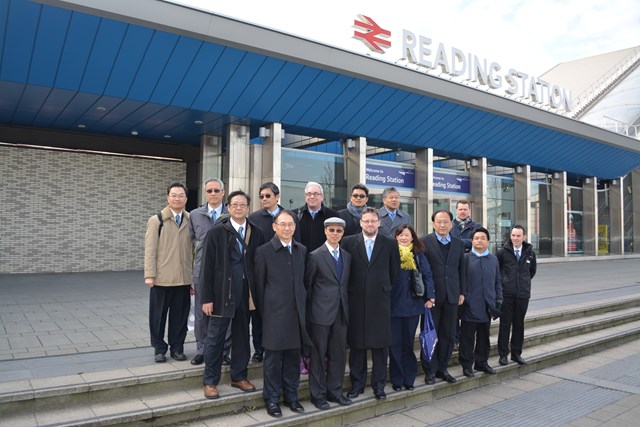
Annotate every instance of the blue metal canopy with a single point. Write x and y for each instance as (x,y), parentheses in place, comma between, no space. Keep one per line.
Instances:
(75,71)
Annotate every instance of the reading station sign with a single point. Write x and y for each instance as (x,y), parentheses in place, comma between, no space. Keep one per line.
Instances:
(423,52)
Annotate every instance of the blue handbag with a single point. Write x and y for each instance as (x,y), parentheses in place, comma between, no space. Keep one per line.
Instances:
(429,336)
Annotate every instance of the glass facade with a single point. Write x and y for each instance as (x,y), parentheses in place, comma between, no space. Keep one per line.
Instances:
(628,214)
(540,234)
(500,209)
(575,235)
(604,222)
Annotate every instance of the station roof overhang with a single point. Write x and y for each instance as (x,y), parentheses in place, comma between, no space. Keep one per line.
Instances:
(159,69)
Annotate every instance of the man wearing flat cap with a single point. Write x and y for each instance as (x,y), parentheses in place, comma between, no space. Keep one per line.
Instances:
(327,280)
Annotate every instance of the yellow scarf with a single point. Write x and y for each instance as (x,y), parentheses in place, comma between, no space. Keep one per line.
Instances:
(407,262)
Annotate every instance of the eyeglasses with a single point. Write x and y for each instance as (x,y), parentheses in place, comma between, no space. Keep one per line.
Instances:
(238,205)
(177,196)
(335,230)
(213,190)
(312,194)
(359,196)
(264,196)
(286,224)
(369,221)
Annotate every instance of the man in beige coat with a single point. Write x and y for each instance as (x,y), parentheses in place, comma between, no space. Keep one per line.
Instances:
(168,261)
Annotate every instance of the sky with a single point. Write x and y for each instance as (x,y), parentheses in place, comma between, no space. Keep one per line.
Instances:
(528,35)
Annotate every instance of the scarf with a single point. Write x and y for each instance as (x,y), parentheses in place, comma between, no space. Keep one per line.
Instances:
(356,212)
(464,223)
(407,262)
(485,253)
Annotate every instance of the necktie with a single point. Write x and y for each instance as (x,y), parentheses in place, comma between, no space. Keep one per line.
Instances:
(313,214)
(518,254)
(289,248)
(241,232)
(369,248)
(178,220)
(335,254)
(392,215)
(213,216)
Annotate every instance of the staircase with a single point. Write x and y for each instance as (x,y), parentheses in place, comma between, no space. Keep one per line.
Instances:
(171,393)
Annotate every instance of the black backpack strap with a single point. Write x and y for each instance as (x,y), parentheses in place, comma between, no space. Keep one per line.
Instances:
(159,215)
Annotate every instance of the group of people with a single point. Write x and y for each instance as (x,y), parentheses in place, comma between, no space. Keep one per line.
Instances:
(314,282)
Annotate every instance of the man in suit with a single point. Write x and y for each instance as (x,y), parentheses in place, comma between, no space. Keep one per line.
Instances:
(227,275)
(281,298)
(352,213)
(202,220)
(445,254)
(327,280)
(391,216)
(375,262)
(269,195)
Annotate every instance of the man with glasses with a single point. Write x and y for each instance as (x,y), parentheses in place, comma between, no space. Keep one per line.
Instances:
(269,194)
(201,221)
(375,263)
(311,216)
(327,280)
(351,215)
(391,216)
(168,263)
(281,298)
(227,276)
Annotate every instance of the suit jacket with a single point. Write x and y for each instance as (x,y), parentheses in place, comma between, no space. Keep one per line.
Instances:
(449,275)
(387,227)
(199,224)
(263,219)
(280,294)
(370,285)
(326,291)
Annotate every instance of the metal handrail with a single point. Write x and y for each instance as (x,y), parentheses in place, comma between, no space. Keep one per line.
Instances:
(620,127)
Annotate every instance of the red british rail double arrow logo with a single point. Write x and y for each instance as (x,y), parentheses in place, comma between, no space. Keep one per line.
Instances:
(371,34)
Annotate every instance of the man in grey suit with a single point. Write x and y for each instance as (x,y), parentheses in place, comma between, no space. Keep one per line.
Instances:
(445,254)
(391,216)
(327,280)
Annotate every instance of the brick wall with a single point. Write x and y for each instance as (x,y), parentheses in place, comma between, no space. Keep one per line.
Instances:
(70,212)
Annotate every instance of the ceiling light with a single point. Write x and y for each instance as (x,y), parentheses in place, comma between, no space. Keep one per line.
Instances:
(101,109)
(198,122)
(81,126)
(167,136)
(134,132)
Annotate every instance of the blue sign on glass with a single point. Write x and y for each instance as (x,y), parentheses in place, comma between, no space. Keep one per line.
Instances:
(391,176)
(451,183)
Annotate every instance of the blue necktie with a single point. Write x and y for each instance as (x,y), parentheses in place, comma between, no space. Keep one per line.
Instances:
(213,216)
(241,232)
(369,248)
(518,254)
(289,248)
(178,220)
(392,215)
(335,254)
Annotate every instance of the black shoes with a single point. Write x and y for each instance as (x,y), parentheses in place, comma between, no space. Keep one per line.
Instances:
(295,406)
(340,400)
(273,409)
(408,387)
(257,356)
(468,373)
(160,358)
(353,393)
(380,394)
(519,360)
(323,405)
(485,368)
(446,376)
(198,359)
(430,379)
(396,387)
(179,356)
(503,361)
(226,361)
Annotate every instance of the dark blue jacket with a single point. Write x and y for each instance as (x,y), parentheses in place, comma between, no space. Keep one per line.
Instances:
(483,287)
(403,303)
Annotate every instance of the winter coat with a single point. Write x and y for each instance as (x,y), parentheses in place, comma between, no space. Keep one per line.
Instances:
(516,275)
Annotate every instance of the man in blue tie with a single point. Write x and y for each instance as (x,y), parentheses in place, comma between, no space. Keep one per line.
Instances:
(168,262)
(391,216)
(517,267)
(202,220)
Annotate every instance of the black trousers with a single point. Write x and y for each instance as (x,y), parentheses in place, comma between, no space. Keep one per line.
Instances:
(474,343)
(174,301)
(512,323)
(330,341)
(281,371)
(403,365)
(215,342)
(256,330)
(358,368)
(201,325)
(445,319)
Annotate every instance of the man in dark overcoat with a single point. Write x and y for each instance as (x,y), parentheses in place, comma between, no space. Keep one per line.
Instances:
(445,254)
(281,298)
(227,275)
(375,262)
(327,281)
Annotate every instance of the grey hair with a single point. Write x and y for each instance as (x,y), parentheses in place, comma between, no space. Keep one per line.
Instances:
(311,183)
(214,180)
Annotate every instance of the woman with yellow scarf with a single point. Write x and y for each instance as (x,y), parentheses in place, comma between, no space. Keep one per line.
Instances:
(406,307)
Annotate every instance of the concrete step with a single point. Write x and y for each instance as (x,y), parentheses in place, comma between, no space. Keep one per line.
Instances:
(162,394)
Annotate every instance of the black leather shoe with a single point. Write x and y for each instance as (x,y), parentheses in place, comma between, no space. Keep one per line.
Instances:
(396,387)
(295,406)
(226,361)
(503,361)
(380,394)
(197,359)
(179,356)
(257,357)
(273,409)
(448,377)
(340,400)
(408,387)
(323,405)
(353,393)
(519,360)
(160,358)
(468,373)
(485,368)
(430,379)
